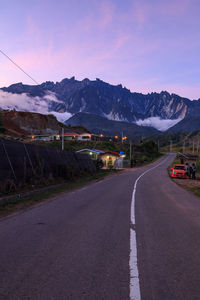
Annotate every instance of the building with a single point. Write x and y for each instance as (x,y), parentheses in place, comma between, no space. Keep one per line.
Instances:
(94,153)
(70,136)
(84,136)
(109,158)
(41,137)
(55,137)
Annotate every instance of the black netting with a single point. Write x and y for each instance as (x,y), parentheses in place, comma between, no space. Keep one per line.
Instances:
(22,163)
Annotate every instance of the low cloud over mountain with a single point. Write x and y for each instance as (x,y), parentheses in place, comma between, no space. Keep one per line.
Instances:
(24,102)
(158,123)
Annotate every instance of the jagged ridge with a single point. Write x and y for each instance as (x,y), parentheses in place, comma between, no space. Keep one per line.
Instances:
(111,101)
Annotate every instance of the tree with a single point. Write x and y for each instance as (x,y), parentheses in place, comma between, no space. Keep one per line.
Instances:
(150,146)
(2,129)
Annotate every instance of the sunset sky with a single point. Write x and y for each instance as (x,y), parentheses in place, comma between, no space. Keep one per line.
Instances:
(147,45)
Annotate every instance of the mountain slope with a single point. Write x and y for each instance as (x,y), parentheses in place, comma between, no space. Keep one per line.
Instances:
(187,125)
(17,123)
(98,124)
(26,123)
(111,101)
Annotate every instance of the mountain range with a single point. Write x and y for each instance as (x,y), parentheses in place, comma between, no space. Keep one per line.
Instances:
(109,102)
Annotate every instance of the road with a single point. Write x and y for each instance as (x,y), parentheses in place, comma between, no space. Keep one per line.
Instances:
(77,245)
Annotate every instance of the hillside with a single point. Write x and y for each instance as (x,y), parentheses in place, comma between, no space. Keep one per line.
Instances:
(15,123)
(98,125)
(25,123)
(181,141)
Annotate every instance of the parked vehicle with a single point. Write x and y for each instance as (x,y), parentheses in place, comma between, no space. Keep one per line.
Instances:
(179,171)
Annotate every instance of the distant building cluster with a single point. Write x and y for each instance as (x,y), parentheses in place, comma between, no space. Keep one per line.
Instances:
(69,136)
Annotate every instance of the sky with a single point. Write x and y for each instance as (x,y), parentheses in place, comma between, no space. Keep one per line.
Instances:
(146,45)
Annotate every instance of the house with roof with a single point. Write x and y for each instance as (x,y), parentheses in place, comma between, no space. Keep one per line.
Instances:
(85,136)
(70,136)
(108,158)
(40,137)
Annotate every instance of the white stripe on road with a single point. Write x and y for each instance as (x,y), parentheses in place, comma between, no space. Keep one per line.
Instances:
(133,264)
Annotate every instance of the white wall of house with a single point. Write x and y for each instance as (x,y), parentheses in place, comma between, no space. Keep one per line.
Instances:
(55,137)
(84,137)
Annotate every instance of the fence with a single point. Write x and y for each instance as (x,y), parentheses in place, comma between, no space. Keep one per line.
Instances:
(25,163)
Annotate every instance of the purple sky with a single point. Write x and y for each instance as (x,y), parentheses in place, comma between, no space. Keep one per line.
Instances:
(147,45)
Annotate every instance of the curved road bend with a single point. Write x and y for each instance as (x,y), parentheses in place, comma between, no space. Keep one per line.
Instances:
(77,245)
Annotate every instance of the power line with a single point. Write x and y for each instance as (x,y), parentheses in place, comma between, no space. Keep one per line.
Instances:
(18,67)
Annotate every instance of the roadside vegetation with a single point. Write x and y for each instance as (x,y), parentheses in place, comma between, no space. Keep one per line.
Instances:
(20,202)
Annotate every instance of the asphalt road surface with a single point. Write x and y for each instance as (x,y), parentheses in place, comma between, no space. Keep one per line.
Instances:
(77,245)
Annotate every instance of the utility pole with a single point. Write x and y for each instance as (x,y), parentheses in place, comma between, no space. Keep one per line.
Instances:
(130,150)
(184,147)
(122,137)
(171,146)
(158,145)
(62,138)
(193,148)
(198,147)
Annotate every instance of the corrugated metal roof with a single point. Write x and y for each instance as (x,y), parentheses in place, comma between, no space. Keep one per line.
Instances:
(91,150)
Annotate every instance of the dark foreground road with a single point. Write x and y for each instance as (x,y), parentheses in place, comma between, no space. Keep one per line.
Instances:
(77,246)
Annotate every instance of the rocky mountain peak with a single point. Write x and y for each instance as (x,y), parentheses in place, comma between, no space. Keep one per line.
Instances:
(111,101)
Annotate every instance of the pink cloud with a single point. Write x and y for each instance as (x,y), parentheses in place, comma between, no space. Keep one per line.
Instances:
(107,14)
(142,11)
(99,21)
(121,43)
(175,7)
(33,32)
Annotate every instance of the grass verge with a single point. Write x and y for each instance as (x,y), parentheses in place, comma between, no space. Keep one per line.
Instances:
(21,203)
(196,191)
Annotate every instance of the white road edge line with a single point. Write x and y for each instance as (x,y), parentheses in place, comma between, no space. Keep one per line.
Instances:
(135,293)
